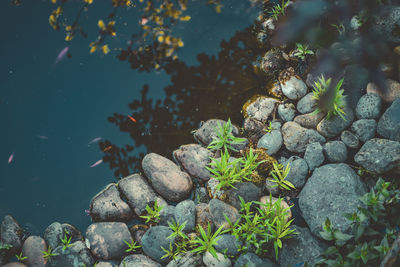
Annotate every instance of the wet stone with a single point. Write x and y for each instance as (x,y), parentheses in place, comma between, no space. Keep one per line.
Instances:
(262,108)
(138,193)
(294,88)
(351,140)
(108,206)
(272,187)
(335,125)
(246,190)
(107,239)
(194,158)
(187,260)
(389,123)
(389,94)
(298,171)
(251,259)
(296,138)
(369,107)
(228,244)
(203,216)
(200,195)
(14,264)
(53,234)
(314,155)
(167,178)
(335,151)
(306,104)
(11,234)
(209,130)
(218,209)
(137,260)
(105,264)
(32,248)
(72,231)
(167,215)
(309,120)
(210,261)
(364,129)
(185,211)
(286,111)
(272,61)
(254,127)
(76,255)
(155,238)
(272,141)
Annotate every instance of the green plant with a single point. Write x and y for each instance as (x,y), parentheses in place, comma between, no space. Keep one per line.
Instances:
(279,9)
(20,257)
(131,246)
(225,138)
(207,241)
(177,229)
(329,100)
(262,227)
(269,128)
(66,241)
(374,227)
(339,27)
(182,241)
(153,215)
(4,246)
(302,51)
(49,253)
(279,176)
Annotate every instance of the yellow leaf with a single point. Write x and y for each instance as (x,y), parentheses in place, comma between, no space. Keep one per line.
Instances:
(218,8)
(105,49)
(101,25)
(157,66)
(58,11)
(52,19)
(185,18)
(111,23)
(68,28)
(160,39)
(93,49)
(89,1)
(129,3)
(180,43)
(69,37)
(54,1)
(169,52)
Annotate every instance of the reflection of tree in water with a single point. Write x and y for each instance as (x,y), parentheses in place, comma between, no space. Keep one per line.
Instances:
(217,87)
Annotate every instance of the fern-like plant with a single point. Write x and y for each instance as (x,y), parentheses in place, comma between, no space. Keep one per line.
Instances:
(225,139)
(279,175)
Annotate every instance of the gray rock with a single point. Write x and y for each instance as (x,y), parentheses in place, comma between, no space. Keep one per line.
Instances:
(193,159)
(251,259)
(271,141)
(228,244)
(167,214)
(349,139)
(103,242)
(185,211)
(387,23)
(355,79)
(212,189)
(108,206)
(138,260)
(262,108)
(201,195)
(301,248)
(296,138)
(294,88)
(254,127)
(32,249)
(314,155)
(75,255)
(388,94)
(286,111)
(272,188)
(309,120)
(218,209)
(210,261)
(72,231)
(306,104)
(272,62)
(187,260)
(379,155)
(364,129)
(53,234)
(335,125)
(105,264)
(203,216)
(14,264)
(209,130)
(138,193)
(298,171)
(332,191)
(246,190)
(166,177)
(155,238)
(335,151)
(369,107)
(389,123)
(11,234)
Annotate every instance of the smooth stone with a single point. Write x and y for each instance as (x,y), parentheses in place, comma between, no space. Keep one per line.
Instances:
(389,124)
(369,107)
(296,138)
(53,234)
(188,259)
(294,88)
(228,244)
(72,231)
(218,209)
(335,151)
(14,264)
(246,190)
(105,264)
(138,193)
(32,249)
(106,239)
(137,260)
(108,206)
(203,216)
(167,178)
(185,211)
(11,234)
(154,239)
(389,94)
(306,104)
(335,125)
(262,108)
(210,261)
(167,214)
(75,255)
(379,155)
(286,111)
(309,120)
(350,139)
(209,131)
(332,191)
(194,159)
(272,188)
(298,171)
(271,141)
(364,129)
(314,155)
(254,128)
(387,23)
(251,259)
(302,247)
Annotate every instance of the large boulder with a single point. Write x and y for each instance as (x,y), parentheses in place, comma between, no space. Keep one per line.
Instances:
(332,191)
(389,123)
(166,177)
(379,155)
(296,138)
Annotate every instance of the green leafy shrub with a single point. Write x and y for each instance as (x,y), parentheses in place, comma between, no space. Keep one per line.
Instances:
(4,246)
(329,100)
(153,215)
(374,228)
(66,241)
(206,241)
(225,139)
(262,227)
(47,254)
(21,257)
(279,176)
(302,51)
(279,9)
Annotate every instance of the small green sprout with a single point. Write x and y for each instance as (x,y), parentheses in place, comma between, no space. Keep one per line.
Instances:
(302,51)
(131,246)
(207,241)
(225,138)
(153,215)
(279,9)
(270,128)
(49,253)
(4,246)
(177,229)
(66,241)
(20,257)
(279,176)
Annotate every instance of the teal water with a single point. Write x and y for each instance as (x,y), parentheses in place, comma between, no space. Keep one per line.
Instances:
(50,112)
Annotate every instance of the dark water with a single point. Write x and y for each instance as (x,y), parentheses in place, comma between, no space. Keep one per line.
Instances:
(50,112)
